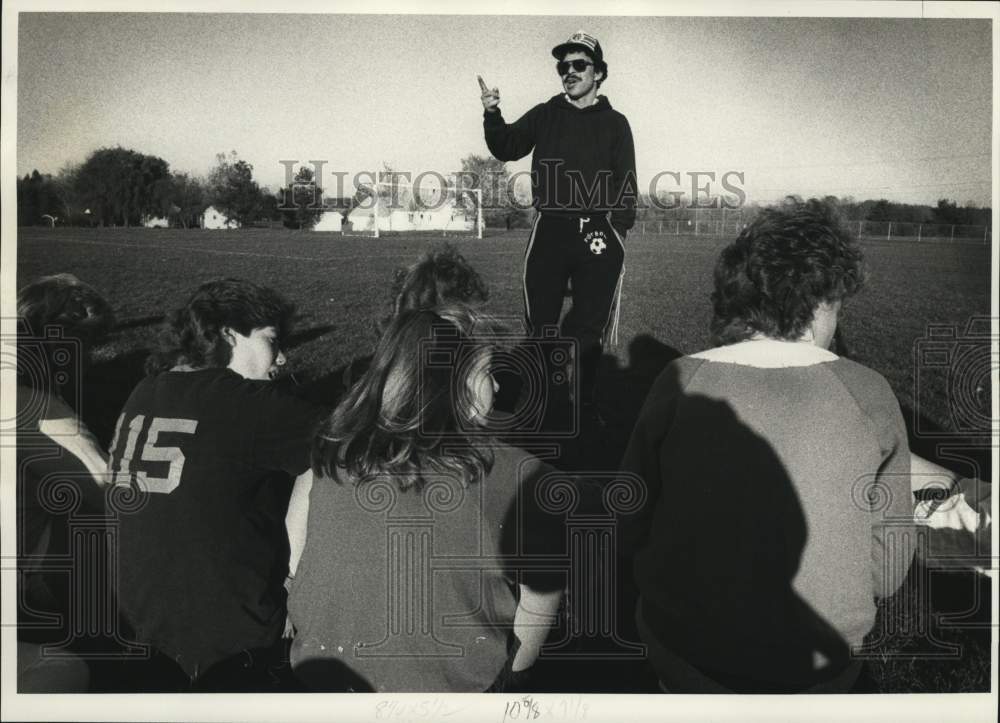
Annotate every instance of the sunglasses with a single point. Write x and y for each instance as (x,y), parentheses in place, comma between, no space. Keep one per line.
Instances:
(563,66)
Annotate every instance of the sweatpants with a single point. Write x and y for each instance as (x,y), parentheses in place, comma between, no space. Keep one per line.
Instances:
(588,253)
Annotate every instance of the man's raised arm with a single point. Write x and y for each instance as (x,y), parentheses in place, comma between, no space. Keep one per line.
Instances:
(506,142)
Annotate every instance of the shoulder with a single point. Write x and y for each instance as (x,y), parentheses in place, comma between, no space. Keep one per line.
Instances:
(220,388)
(215,379)
(524,489)
(860,377)
(515,463)
(541,109)
(145,390)
(509,455)
(200,387)
(327,487)
(279,405)
(620,118)
(871,390)
(676,375)
(615,116)
(227,383)
(876,401)
(684,366)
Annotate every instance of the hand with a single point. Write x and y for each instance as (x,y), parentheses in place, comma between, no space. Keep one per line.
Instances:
(952,513)
(289,631)
(490,98)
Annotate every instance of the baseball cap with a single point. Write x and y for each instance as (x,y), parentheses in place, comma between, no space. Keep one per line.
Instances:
(584,41)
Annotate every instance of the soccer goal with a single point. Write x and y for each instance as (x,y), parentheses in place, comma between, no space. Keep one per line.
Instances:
(394,207)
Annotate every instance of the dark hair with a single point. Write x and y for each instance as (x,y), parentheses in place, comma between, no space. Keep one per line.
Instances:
(193,334)
(442,276)
(54,308)
(63,301)
(780,268)
(411,412)
(600,66)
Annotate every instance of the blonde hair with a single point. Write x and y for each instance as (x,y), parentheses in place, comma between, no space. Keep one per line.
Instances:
(412,412)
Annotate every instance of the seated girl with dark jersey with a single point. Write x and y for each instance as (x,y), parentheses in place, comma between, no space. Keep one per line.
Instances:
(203,460)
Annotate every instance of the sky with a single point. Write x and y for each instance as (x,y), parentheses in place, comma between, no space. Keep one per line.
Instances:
(869,108)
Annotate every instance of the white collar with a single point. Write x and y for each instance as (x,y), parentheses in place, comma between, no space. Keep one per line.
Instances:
(768,354)
(570,101)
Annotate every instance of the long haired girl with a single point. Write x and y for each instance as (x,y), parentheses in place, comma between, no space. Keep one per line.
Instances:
(408,549)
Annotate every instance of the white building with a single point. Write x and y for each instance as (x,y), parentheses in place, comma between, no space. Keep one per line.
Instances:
(214,218)
(446,218)
(330,221)
(363,219)
(155,222)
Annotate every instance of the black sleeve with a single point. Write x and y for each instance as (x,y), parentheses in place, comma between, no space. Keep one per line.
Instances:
(510,142)
(284,427)
(642,456)
(42,458)
(51,484)
(625,190)
(535,537)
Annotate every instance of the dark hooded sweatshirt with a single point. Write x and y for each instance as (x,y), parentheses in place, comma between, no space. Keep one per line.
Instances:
(584,160)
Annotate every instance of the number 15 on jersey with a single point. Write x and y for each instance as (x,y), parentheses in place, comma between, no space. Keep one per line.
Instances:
(124,465)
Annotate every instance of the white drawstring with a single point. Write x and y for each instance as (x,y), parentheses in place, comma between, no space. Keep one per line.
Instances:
(618,308)
(612,335)
(583,221)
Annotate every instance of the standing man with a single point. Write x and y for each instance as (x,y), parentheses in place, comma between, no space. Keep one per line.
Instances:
(583,186)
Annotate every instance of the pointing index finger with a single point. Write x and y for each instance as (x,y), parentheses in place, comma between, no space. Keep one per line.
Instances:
(482,85)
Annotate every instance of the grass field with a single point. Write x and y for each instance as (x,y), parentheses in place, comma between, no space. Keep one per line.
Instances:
(341,288)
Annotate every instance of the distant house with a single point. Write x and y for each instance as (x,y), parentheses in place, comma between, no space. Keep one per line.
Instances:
(446,218)
(214,218)
(364,219)
(330,221)
(399,220)
(155,222)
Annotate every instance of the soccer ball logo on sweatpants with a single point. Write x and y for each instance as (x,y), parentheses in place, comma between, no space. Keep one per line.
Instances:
(595,239)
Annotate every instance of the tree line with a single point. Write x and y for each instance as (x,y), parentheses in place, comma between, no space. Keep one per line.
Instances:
(122,187)
(946,212)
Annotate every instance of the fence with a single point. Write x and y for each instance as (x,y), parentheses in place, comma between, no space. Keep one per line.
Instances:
(908,231)
(871,230)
